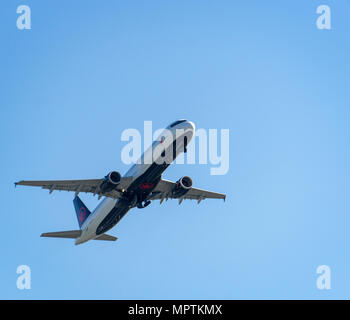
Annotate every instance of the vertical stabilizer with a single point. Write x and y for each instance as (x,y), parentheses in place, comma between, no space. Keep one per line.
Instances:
(81,210)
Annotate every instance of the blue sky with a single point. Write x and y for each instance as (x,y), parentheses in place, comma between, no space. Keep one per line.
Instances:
(86,71)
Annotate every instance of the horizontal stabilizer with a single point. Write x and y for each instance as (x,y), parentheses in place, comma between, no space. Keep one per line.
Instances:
(106,237)
(73,234)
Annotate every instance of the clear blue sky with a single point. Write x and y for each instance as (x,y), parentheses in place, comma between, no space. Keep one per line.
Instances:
(86,71)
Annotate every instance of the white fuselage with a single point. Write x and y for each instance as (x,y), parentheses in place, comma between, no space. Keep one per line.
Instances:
(154,154)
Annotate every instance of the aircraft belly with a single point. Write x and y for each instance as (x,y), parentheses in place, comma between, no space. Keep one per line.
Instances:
(101,211)
(114,216)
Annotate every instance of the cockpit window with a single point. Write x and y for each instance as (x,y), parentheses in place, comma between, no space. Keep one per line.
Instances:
(176,123)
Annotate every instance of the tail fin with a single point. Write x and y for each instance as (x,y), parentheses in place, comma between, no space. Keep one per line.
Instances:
(81,210)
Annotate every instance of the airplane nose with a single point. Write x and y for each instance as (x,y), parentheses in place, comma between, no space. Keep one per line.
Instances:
(191,125)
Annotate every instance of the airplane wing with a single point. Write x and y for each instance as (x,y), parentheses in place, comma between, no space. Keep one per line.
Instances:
(164,188)
(89,186)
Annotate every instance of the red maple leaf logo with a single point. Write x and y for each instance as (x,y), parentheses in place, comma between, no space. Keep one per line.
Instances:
(82,214)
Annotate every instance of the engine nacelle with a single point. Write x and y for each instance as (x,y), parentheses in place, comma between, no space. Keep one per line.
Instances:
(183,185)
(110,181)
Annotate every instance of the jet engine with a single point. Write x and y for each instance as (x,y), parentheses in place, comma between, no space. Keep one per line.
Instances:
(182,186)
(110,181)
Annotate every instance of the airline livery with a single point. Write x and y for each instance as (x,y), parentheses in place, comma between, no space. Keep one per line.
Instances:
(137,188)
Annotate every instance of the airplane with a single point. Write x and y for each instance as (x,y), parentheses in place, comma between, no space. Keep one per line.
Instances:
(142,184)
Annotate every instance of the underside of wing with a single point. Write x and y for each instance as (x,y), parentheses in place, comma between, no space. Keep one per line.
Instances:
(164,190)
(77,186)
